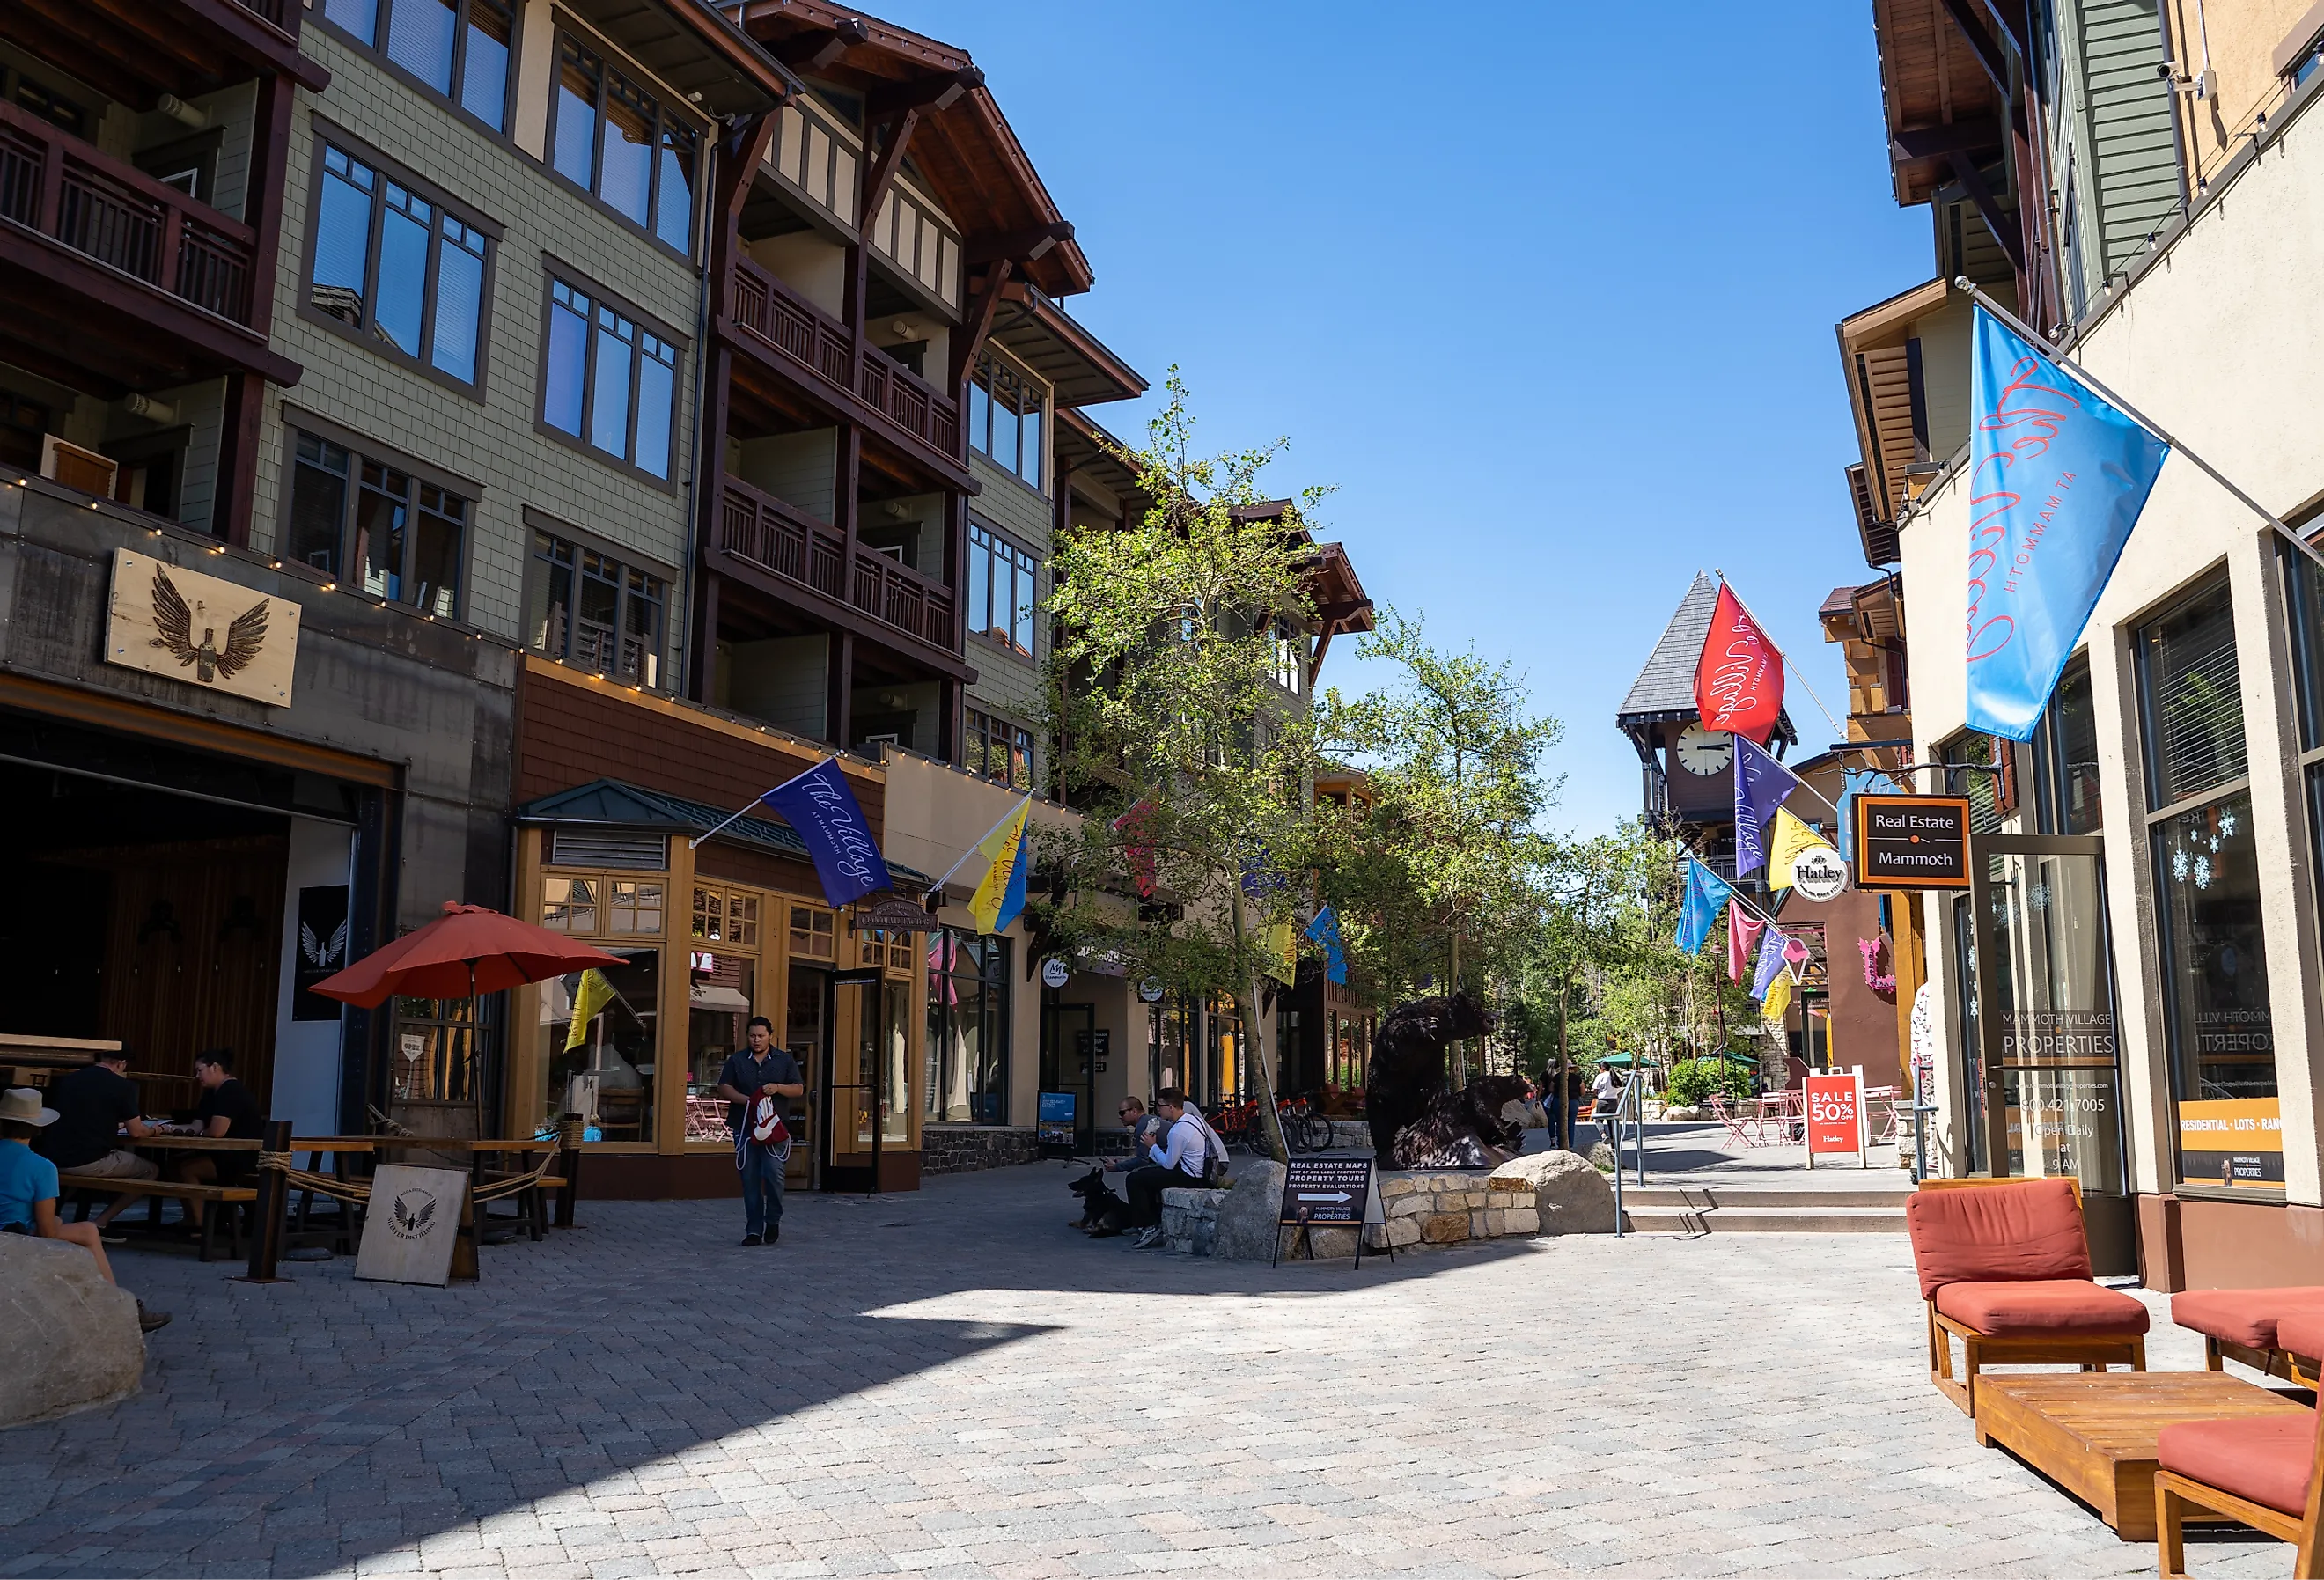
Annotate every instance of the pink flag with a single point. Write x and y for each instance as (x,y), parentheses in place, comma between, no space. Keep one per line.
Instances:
(1742,933)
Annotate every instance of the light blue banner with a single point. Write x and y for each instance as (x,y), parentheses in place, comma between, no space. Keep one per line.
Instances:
(2057,478)
(1706,895)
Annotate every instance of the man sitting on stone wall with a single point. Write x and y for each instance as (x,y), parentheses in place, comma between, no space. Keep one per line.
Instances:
(1180,1163)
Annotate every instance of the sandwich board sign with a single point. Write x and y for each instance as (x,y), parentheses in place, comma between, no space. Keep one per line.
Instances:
(411,1225)
(1335,1192)
(1836,1117)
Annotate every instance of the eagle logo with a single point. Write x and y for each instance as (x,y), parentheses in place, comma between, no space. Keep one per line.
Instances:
(318,953)
(173,617)
(409,1213)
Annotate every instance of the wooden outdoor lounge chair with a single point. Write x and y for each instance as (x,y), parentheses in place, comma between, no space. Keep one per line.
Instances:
(2004,1268)
(2243,1324)
(2260,1471)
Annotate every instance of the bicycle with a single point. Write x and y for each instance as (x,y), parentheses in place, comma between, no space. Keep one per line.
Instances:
(1303,1129)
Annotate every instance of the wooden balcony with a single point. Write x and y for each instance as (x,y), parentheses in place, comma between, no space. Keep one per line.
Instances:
(764,533)
(62,187)
(856,380)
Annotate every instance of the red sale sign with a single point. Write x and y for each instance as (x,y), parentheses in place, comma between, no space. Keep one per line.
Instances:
(1835,1114)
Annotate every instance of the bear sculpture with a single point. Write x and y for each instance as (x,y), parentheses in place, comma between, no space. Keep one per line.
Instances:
(1467,1129)
(1407,1074)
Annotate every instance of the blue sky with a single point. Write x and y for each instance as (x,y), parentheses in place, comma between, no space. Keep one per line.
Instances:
(1548,291)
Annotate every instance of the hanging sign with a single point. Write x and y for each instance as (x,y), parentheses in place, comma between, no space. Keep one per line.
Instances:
(1835,1116)
(1055,973)
(1911,842)
(210,633)
(1819,874)
(1150,991)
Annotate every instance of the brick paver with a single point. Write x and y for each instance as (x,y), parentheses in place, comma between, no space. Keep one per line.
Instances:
(954,1384)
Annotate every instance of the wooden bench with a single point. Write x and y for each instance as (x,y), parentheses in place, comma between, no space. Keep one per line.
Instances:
(235,1198)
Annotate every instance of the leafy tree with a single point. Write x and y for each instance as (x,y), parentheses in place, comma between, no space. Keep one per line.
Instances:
(1193,765)
(1443,875)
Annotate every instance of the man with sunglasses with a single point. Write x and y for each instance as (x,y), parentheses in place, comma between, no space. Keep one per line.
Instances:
(1145,1131)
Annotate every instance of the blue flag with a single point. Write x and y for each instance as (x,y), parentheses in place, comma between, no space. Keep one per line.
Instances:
(2057,477)
(1761,783)
(1325,930)
(1861,782)
(1771,961)
(1706,894)
(822,809)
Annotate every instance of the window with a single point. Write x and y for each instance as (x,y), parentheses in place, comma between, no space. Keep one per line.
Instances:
(597,1042)
(1005,411)
(613,140)
(400,271)
(1290,656)
(996,748)
(590,609)
(1002,592)
(609,381)
(813,933)
(726,918)
(968,1028)
(2066,754)
(459,48)
(2208,889)
(372,524)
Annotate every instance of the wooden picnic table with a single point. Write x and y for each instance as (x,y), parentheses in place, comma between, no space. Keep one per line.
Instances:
(178,1143)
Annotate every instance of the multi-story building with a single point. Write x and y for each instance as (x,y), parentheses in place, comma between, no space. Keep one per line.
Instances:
(2128,992)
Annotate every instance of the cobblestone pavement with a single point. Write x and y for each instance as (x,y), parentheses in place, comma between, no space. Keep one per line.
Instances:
(952,1383)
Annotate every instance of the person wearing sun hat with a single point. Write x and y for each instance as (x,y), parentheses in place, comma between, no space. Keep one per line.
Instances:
(28,1188)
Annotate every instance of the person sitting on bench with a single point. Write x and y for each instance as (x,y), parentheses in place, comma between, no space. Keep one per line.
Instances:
(28,1189)
(94,1103)
(1180,1163)
(227,1112)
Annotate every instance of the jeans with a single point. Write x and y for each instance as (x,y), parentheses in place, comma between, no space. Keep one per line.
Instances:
(763,1188)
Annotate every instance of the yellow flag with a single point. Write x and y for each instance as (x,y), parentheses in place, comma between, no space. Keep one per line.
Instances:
(1778,999)
(1794,839)
(1002,849)
(593,995)
(1281,943)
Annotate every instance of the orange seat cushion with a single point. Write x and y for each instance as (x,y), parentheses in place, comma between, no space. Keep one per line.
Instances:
(1996,1234)
(2264,1458)
(2040,1308)
(2242,1316)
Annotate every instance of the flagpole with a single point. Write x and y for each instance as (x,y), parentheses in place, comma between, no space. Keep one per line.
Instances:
(697,841)
(2041,345)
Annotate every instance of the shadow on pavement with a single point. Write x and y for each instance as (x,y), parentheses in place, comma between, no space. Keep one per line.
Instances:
(300,1427)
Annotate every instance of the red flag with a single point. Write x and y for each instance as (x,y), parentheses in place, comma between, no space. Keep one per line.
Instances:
(1132,826)
(1739,681)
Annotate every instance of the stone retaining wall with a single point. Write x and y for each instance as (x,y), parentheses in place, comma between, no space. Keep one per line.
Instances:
(963,1149)
(1421,1207)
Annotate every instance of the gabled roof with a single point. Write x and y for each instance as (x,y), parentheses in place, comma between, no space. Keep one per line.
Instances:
(612,803)
(1665,687)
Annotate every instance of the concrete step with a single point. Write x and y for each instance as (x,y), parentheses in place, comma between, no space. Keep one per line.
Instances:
(1797,1218)
(1720,1196)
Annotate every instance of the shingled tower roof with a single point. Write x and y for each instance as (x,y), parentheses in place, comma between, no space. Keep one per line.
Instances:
(1664,689)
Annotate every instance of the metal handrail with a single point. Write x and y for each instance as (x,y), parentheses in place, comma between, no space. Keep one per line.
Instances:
(1633,1103)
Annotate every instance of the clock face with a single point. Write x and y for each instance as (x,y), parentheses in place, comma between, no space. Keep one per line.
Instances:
(1705,752)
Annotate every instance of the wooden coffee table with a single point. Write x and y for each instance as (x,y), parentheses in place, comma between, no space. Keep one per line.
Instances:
(2093,1432)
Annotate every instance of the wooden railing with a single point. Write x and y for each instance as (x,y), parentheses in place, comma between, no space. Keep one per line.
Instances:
(768,533)
(282,14)
(63,188)
(786,320)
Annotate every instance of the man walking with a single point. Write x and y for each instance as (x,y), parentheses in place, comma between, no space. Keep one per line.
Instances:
(760,1070)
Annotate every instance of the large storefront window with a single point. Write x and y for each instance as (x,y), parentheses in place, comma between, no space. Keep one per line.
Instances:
(2304,594)
(598,1029)
(2206,884)
(2066,750)
(720,1004)
(1169,1043)
(968,1028)
(1224,1073)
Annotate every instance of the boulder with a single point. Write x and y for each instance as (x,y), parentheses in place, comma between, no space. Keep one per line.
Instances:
(72,1341)
(1248,1215)
(1569,1196)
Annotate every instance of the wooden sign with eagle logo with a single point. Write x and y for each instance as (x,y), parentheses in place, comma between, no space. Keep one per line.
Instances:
(199,629)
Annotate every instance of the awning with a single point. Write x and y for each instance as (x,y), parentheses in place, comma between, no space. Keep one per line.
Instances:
(609,803)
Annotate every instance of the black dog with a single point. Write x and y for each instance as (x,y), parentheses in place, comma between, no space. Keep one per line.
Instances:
(1102,1212)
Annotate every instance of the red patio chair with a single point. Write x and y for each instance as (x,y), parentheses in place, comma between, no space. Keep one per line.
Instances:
(1730,1119)
(2242,1325)
(2006,1269)
(2261,1471)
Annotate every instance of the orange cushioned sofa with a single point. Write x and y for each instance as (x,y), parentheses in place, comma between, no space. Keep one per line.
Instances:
(2005,1269)
(2262,1471)
(2242,1325)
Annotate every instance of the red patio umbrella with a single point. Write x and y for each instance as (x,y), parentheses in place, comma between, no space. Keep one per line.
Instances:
(466,951)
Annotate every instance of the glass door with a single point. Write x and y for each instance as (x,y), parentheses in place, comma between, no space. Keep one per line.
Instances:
(867,1041)
(2052,1098)
(1067,1037)
(804,1036)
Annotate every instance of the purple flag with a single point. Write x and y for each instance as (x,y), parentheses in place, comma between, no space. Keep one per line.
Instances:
(1771,961)
(1761,783)
(820,807)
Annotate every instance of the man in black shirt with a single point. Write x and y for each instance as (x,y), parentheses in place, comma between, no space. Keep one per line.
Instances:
(94,1104)
(761,1069)
(227,1112)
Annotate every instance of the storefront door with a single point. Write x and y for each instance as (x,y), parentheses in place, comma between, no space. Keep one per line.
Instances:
(1067,1037)
(2048,1098)
(859,1120)
(807,1030)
